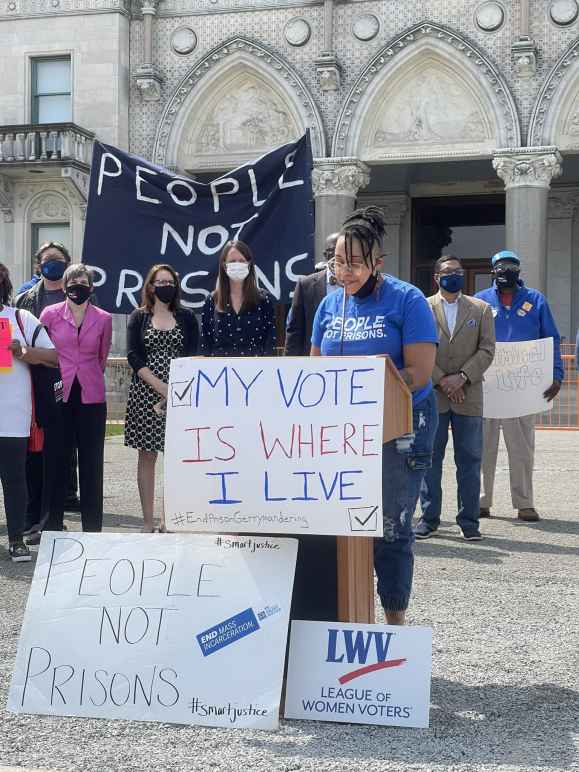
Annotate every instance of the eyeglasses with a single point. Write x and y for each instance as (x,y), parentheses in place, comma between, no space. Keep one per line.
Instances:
(352,267)
(163,283)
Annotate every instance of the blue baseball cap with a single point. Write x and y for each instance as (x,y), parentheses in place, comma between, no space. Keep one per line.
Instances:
(505,254)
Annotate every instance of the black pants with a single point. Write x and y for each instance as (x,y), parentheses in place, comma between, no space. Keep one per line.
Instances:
(85,425)
(47,475)
(13,476)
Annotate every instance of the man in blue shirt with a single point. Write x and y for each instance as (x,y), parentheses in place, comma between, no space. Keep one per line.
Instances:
(520,314)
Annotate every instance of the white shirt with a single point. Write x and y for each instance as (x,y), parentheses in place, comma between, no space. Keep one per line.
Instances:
(450,311)
(15,385)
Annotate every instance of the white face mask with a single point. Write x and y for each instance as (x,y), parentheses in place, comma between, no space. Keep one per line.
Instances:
(237,271)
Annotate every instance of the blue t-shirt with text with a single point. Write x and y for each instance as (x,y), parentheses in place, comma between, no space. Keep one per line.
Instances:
(394,315)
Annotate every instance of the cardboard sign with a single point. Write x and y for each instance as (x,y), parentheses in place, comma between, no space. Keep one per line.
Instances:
(182,629)
(359,674)
(519,375)
(275,445)
(6,357)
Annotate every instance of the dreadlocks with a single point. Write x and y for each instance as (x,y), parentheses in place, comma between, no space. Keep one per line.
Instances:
(366,226)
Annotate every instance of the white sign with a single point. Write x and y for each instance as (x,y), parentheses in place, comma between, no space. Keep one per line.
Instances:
(275,445)
(181,629)
(519,375)
(359,674)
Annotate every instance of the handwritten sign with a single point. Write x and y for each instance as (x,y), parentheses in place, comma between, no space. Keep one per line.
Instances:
(6,361)
(275,445)
(359,674)
(184,629)
(519,375)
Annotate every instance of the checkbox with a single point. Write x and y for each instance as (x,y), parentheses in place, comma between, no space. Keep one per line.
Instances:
(364,518)
(181,393)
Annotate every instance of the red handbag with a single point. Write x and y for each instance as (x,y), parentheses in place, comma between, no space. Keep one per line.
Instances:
(36,439)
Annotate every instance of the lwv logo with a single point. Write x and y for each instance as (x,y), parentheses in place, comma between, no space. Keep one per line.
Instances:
(359,646)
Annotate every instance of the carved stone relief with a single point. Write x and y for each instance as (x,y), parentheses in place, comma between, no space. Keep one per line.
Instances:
(428,107)
(50,206)
(528,167)
(245,116)
(464,106)
(6,199)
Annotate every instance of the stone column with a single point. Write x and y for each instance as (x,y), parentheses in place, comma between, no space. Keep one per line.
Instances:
(147,76)
(527,174)
(562,208)
(336,182)
(394,207)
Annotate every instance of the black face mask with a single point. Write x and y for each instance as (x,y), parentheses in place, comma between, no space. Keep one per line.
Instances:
(165,294)
(367,288)
(78,293)
(507,278)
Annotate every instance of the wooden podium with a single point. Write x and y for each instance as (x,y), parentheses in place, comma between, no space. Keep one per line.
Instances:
(356,554)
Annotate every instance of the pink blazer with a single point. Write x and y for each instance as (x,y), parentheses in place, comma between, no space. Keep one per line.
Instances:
(81,355)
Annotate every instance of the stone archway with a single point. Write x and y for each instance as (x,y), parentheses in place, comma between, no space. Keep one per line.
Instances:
(428,95)
(555,117)
(240,101)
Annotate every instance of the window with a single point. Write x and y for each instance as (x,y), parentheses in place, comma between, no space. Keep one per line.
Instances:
(51,92)
(43,232)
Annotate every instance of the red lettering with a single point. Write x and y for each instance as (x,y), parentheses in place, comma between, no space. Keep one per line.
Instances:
(324,440)
(367,439)
(198,460)
(348,437)
(306,443)
(227,444)
(277,442)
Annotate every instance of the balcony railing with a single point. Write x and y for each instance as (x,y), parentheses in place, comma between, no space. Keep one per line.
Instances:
(45,143)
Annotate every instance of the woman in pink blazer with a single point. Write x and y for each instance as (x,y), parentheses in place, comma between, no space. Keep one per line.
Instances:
(82,334)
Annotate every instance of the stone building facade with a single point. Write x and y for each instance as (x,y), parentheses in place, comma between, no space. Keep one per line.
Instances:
(460,118)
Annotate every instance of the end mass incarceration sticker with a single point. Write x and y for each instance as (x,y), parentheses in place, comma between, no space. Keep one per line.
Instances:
(227,632)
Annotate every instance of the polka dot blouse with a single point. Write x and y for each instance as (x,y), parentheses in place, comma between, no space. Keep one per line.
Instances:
(247,334)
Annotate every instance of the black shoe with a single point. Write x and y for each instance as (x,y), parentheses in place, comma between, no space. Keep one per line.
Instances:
(485,512)
(19,552)
(471,536)
(72,504)
(33,529)
(423,531)
(34,539)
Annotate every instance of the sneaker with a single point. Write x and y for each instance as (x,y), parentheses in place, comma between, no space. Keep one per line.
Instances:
(34,539)
(19,553)
(423,531)
(529,515)
(485,512)
(471,536)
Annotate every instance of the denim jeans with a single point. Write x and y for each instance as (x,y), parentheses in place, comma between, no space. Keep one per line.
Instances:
(468,441)
(404,463)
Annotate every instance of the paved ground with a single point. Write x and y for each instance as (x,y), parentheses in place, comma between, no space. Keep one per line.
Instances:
(505,663)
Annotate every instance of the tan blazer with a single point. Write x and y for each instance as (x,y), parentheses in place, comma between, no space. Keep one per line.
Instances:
(470,349)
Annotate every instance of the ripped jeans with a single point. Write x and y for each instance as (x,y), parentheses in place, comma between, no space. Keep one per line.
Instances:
(404,464)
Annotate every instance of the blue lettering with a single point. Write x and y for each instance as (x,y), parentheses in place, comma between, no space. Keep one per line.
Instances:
(332,641)
(305,497)
(344,484)
(223,499)
(222,374)
(327,494)
(295,388)
(335,372)
(354,387)
(247,387)
(322,392)
(266,490)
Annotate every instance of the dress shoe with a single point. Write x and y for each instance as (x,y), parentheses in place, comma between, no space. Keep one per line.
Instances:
(485,512)
(529,515)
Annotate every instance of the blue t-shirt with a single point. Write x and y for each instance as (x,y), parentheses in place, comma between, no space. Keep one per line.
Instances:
(395,314)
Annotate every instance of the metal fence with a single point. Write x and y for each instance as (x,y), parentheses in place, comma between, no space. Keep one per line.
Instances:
(565,411)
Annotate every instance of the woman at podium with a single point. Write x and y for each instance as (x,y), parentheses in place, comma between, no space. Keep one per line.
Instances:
(372,314)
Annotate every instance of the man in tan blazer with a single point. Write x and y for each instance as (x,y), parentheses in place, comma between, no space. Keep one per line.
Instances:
(466,349)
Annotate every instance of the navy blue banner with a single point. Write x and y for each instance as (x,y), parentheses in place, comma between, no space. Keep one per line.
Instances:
(139,214)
